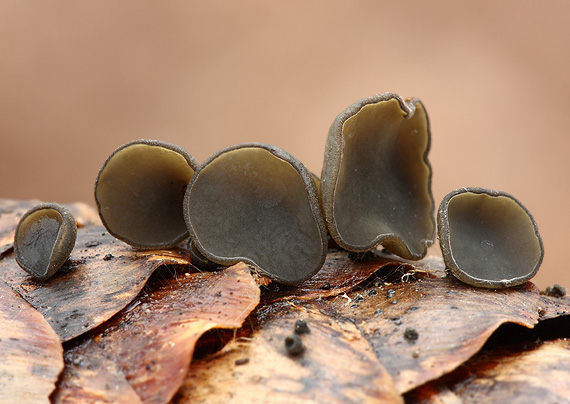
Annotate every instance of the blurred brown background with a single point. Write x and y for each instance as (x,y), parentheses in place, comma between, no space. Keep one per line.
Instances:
(78,79)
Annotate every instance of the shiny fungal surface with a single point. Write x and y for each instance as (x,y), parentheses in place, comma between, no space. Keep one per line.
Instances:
(488,238)
(44,239)
(140,192)
(258,204)
(376,179)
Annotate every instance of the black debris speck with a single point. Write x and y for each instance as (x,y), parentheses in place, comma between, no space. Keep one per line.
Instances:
(372,292)
(301,327)
(556,291)
(294,344)
(241,361)
(108,257)
(326,286)
(358,299)
(411,334)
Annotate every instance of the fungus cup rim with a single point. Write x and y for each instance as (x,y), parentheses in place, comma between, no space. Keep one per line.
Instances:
(65,239)
(447,252)
(335,146)
(312,197)
(192,163)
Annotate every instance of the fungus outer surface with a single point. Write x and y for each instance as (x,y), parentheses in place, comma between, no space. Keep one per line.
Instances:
(140,193)
(256,203)
(44,239)
(488,238)
(376,180)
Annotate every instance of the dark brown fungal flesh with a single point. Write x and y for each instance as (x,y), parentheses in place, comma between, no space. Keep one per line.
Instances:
(140,192)
(258,204)
(376,179)
(488,238)
(44,239)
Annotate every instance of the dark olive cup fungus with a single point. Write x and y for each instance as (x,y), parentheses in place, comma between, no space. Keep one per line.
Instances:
(488,239)
(44,239)
(199,261)
(140,192)
(257,204)
(376,178)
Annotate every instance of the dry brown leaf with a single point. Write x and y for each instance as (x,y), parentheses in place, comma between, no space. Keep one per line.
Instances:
(422,330)
(31,355)
(553,307)
(153,340)
(102,276)
(92,376)
(340,274)
(337,366)
(520,374)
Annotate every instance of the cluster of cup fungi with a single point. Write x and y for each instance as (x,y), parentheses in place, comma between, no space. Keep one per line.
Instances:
(258,204)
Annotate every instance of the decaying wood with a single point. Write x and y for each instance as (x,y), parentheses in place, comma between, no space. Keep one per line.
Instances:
(102,276)
(153,340)
(30,351)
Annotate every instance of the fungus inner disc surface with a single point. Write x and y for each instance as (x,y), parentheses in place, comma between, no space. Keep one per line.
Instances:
(492,237)
(37,238)
(247,204)
(140,192)
(383,179)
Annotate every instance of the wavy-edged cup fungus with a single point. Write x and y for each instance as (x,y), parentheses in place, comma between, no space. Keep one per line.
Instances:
(44,239)
(376,178)
(140,192)
(488,239)
(258,204)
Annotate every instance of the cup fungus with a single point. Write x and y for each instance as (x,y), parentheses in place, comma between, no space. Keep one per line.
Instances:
(198,260)
(140,192)
(44,239)
(376,179)
(488,238)
(258,204)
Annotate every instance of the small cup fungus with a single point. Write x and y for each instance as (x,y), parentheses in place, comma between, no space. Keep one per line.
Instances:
(44,239)
(376,179)
(488,238)
(258,204)
(140,192)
